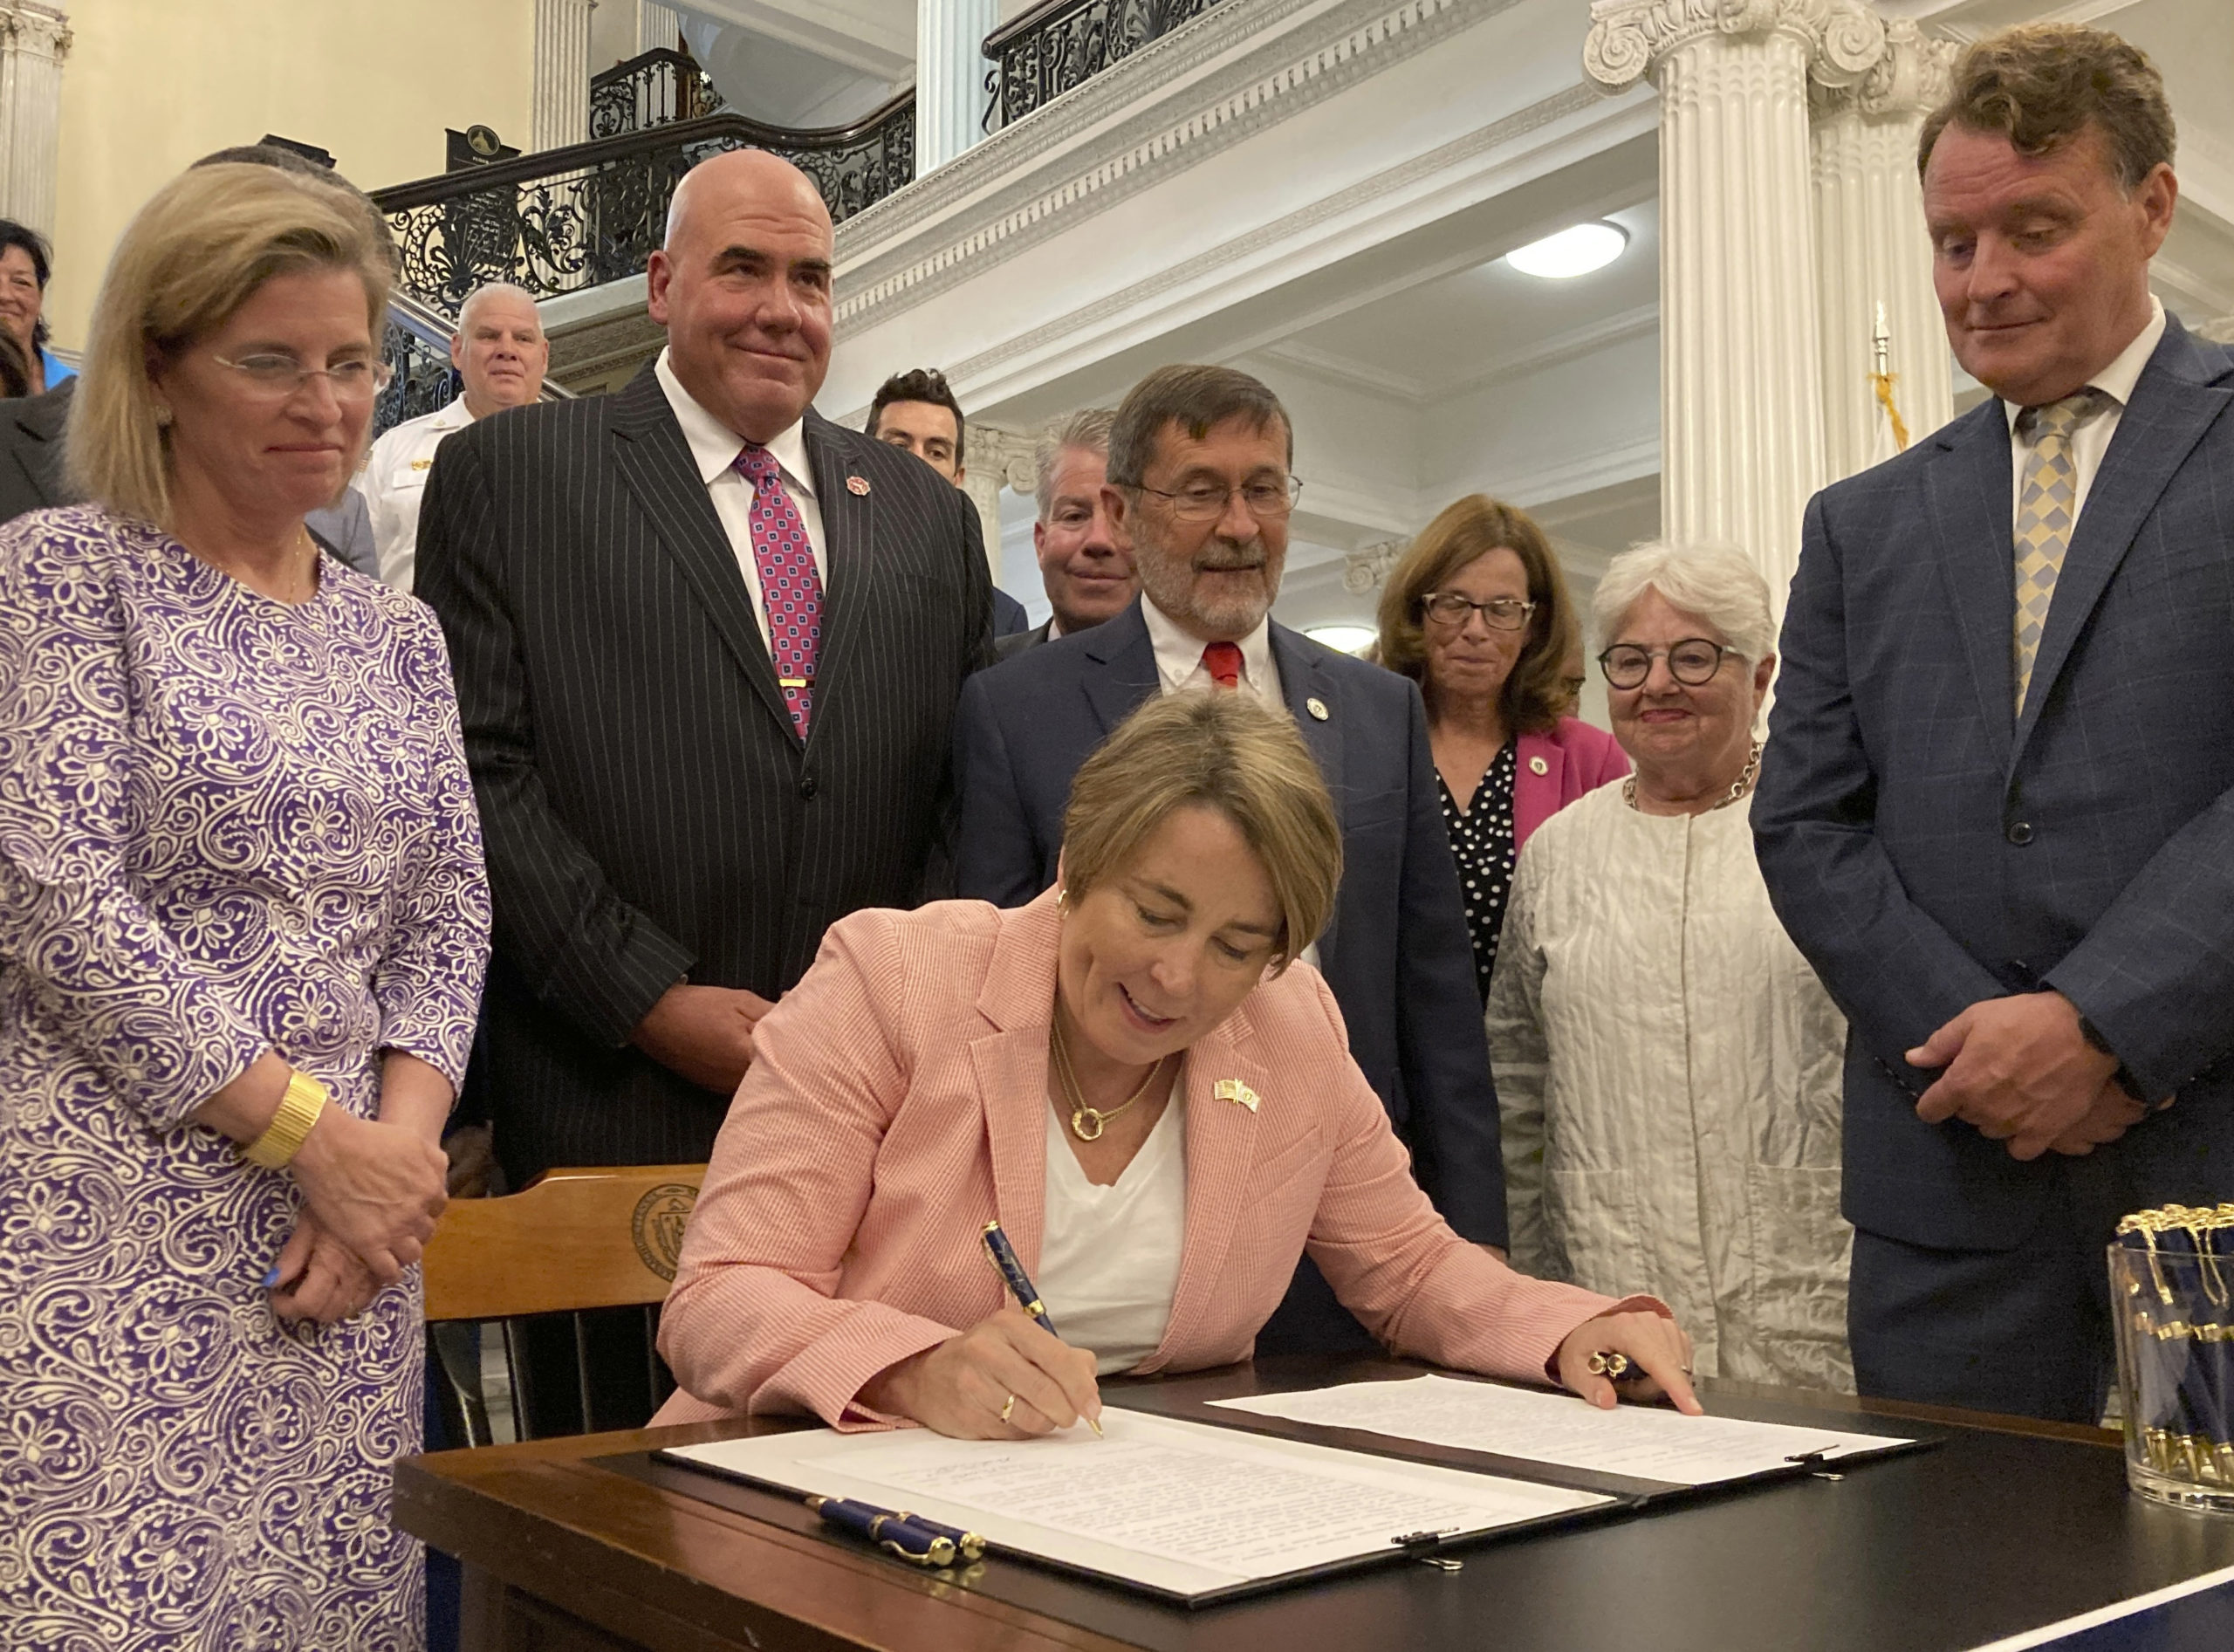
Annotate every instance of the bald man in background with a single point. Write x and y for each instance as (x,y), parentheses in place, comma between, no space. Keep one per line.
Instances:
(707,646)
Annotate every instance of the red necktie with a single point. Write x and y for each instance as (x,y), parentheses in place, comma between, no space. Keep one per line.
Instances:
(789,588)
(1222,661)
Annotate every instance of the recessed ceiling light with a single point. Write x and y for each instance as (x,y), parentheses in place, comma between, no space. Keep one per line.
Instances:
(1571,252)
(1345,639)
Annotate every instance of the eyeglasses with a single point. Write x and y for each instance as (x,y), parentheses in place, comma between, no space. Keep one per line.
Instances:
(1268,501)
(279,376)
(1499,614)
(1692,661)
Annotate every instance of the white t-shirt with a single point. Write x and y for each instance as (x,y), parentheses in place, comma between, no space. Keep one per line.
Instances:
(1109,1263)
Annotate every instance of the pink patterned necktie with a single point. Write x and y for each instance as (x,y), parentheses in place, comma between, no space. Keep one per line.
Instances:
(789,588)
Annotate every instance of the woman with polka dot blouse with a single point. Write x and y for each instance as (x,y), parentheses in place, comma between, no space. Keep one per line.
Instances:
(1478,616)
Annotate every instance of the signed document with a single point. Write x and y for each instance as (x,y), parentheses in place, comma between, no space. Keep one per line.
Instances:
(1184,1509)
(1641,1443)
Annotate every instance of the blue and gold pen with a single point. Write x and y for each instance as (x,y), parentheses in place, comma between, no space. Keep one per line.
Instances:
(1020,1286)
(894,1533)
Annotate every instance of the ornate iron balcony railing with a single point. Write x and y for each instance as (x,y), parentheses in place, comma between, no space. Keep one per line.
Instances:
(1059,45)
(654,89)
(590,213)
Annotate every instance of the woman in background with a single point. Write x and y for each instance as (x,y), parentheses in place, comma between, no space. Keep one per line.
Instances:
(242,925)
(1477,614)
(1668,1066)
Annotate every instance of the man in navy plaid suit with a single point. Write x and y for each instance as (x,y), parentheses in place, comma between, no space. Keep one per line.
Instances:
(1996,811)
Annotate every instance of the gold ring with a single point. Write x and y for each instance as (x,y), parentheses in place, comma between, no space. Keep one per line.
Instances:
(1008,1409)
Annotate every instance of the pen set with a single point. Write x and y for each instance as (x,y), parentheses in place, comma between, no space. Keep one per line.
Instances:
(897,1532)
(2171,1273)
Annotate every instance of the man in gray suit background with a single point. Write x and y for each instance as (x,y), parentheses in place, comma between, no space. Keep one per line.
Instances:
(1085,562)
(1997,809)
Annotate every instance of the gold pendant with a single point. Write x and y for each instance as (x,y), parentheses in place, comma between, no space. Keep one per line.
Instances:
(1078,1117)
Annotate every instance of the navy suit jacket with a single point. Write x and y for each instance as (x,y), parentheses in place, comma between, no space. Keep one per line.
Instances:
(1396,953)
(1926,847)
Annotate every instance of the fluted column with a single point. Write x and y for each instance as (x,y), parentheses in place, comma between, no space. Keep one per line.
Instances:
(950,77)
(657,27)
(561,115)
(1740,347)
(996,457)
(34,39)
(1872,249)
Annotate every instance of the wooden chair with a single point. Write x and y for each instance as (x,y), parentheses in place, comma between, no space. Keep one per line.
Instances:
(570,1242)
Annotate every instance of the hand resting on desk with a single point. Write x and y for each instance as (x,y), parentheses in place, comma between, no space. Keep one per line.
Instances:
(962,1386)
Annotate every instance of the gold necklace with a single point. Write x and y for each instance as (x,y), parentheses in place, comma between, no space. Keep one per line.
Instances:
(1737,788)
(1087,1122)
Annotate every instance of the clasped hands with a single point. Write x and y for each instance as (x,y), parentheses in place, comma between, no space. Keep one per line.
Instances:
(2021,1072)
(703,1034)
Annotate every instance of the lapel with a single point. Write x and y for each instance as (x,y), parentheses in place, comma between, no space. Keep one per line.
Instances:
(1305,678)
(848,530)
(1967,483)
(656,462)
(2173,404)
(1019,999)
(1222,1143)
(1122,674)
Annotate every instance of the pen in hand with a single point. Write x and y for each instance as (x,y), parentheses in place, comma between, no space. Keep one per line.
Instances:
(1020,1286)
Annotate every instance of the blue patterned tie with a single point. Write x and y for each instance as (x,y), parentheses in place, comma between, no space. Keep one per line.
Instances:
(791,590)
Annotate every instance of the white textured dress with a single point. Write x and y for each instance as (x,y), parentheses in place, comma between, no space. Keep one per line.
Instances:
(1669,1073)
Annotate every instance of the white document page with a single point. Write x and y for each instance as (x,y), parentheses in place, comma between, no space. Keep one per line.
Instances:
(1645,1443)
(1184,1507)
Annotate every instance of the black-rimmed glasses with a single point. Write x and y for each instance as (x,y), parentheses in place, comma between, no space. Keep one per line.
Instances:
(1692,661)
(1499,614)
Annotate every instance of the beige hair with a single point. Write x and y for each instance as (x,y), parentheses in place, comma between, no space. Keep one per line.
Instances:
(1535,694)
(2044,85)
(1225,751)
(188,260)
(1716,582)
(1087,428)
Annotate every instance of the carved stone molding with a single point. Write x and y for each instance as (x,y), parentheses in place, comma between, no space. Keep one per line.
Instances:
(1366,567)
(35,39)
(1630,40)
(1912,76)
(995,457)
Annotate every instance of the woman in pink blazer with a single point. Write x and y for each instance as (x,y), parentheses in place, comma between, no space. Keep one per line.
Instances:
(1136,1078)
(1477,614)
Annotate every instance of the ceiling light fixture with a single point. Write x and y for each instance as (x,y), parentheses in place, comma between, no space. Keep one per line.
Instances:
(1574,251)
(1344,639)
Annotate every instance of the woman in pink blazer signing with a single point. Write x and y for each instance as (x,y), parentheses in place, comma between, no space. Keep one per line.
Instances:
(1134,1076)
(1477,614)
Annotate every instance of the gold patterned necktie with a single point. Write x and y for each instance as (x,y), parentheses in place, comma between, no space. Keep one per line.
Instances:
(2045,510)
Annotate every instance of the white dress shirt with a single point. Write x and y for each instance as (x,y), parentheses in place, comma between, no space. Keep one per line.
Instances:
(395,480)
(1109,1256)
(1179,657)
(714,446)
(2092,439)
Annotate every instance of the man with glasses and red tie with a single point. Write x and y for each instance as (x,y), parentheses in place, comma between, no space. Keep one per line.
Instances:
(1199,478)
(707,646)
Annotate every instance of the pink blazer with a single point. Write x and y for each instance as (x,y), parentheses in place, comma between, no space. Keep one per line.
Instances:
(1557,768)
(894,1106)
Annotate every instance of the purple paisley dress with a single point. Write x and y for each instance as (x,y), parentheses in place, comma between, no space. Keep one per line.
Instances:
(225,823)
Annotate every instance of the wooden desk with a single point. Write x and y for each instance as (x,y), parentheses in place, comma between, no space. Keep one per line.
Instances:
(580,1544)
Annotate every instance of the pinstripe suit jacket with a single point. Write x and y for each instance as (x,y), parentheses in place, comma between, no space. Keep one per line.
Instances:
(647,809)
(1927,848)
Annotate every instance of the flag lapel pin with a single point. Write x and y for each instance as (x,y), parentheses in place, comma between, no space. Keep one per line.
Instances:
(1234,1090)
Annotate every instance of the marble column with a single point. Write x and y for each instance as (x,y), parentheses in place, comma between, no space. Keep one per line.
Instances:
(1742,444)
(994,457)
(1872,256)
(34,39)
(950,70)
(561,114)
(657,27)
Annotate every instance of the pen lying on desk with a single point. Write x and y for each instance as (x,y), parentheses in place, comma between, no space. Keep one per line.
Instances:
(897,1532)
(1020,1286)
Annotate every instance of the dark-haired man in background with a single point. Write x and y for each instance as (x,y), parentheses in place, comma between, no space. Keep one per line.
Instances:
(916,411)
(1199,480)
(1997,809)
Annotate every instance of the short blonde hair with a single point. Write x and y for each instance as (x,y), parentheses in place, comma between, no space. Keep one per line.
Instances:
(188,260)
(1213,750)
(1535,695)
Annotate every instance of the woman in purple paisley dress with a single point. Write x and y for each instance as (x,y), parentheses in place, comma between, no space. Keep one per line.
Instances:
(242,922)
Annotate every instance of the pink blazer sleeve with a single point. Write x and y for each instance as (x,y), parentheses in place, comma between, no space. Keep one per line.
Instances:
(752,1323)
(1416,1284)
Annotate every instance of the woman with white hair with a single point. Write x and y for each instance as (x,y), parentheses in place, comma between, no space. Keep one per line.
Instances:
(1667,1063)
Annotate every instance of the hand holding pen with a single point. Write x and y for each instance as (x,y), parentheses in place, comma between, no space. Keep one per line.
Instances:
(1008,1377)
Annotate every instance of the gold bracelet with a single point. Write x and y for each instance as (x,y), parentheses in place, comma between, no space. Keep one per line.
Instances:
(283,1138)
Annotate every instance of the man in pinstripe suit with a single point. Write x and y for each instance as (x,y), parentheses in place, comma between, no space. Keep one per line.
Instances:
(707,646)
(1997,809)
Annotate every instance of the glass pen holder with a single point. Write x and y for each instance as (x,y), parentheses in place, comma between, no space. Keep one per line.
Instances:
(2172,1296)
